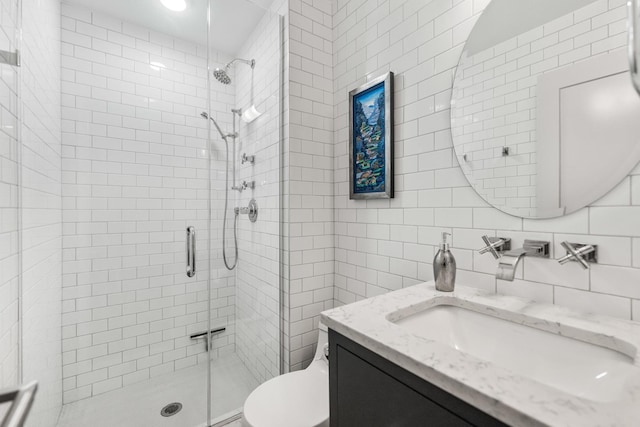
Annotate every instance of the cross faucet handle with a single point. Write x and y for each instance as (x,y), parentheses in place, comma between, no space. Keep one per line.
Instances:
(495,245)
(579,252)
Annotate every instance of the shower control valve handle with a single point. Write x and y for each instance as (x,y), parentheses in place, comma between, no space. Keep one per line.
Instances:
(251,210)
(244,186)
(247,158)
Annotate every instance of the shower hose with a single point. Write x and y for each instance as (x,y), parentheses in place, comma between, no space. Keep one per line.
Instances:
(224,224)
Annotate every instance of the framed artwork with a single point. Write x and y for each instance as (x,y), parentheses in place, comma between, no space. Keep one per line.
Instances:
(371,140)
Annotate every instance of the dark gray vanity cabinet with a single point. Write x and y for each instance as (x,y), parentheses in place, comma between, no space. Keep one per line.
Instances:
(368,390)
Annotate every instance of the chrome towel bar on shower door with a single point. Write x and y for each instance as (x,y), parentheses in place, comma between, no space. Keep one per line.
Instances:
(191,251)
(22,399)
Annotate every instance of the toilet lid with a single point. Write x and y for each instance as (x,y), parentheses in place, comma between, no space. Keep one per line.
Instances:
(295,399)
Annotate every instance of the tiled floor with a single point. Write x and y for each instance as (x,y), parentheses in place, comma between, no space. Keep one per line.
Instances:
(139,405)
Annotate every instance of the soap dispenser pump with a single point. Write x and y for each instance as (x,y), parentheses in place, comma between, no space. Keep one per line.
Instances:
(444,267)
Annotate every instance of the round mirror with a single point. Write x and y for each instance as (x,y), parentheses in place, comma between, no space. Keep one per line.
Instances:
(544,116)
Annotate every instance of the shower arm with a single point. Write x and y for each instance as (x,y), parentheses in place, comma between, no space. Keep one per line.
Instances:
(249,62)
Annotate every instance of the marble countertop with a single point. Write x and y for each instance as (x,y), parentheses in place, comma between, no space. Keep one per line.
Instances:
(509,397)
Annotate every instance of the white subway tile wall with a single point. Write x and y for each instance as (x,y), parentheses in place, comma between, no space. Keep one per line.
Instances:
(309,190)
(41,205)
(258,271)
(9,172)
(421,42)
(497,96)
(135,175)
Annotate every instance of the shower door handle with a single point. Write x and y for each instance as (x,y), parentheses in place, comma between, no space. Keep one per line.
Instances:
(191,251)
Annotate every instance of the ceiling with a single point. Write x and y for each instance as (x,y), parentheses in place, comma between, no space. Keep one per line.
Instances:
(505,19)
(232,20)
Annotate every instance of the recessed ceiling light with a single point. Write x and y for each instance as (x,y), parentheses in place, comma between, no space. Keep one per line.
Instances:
(175,5)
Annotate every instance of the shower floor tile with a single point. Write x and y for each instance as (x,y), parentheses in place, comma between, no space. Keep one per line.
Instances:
(139,405)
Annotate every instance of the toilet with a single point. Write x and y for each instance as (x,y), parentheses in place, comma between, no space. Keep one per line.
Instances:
(296,399)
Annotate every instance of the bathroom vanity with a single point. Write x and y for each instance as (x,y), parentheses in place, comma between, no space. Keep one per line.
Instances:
(367,389)
(422,357)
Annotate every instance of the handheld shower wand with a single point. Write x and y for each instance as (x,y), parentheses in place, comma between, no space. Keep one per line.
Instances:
(226,202)
(222,134)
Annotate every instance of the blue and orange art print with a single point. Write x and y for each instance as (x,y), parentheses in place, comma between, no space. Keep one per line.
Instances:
(369,141)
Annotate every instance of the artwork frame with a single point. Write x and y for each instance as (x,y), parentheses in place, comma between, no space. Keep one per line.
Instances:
(371,164)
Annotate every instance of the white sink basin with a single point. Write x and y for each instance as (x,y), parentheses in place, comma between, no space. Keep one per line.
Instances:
(565,363)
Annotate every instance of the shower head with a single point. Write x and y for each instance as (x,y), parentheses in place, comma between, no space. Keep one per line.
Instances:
(222,75)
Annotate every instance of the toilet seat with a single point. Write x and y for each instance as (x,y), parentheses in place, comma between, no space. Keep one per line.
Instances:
(296,399)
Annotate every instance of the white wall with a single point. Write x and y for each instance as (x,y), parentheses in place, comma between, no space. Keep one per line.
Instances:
(385,245)
(135,174)
(496,95)
(258,271)
(309,173)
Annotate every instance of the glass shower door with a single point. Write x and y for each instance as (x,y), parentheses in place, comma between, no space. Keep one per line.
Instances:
(9,170)
(136,205)
(246,101)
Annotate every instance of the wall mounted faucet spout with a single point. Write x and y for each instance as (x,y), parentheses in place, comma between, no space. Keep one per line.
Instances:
(509,261)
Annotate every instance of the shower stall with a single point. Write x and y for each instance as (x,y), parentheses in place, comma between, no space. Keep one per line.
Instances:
(165,308)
